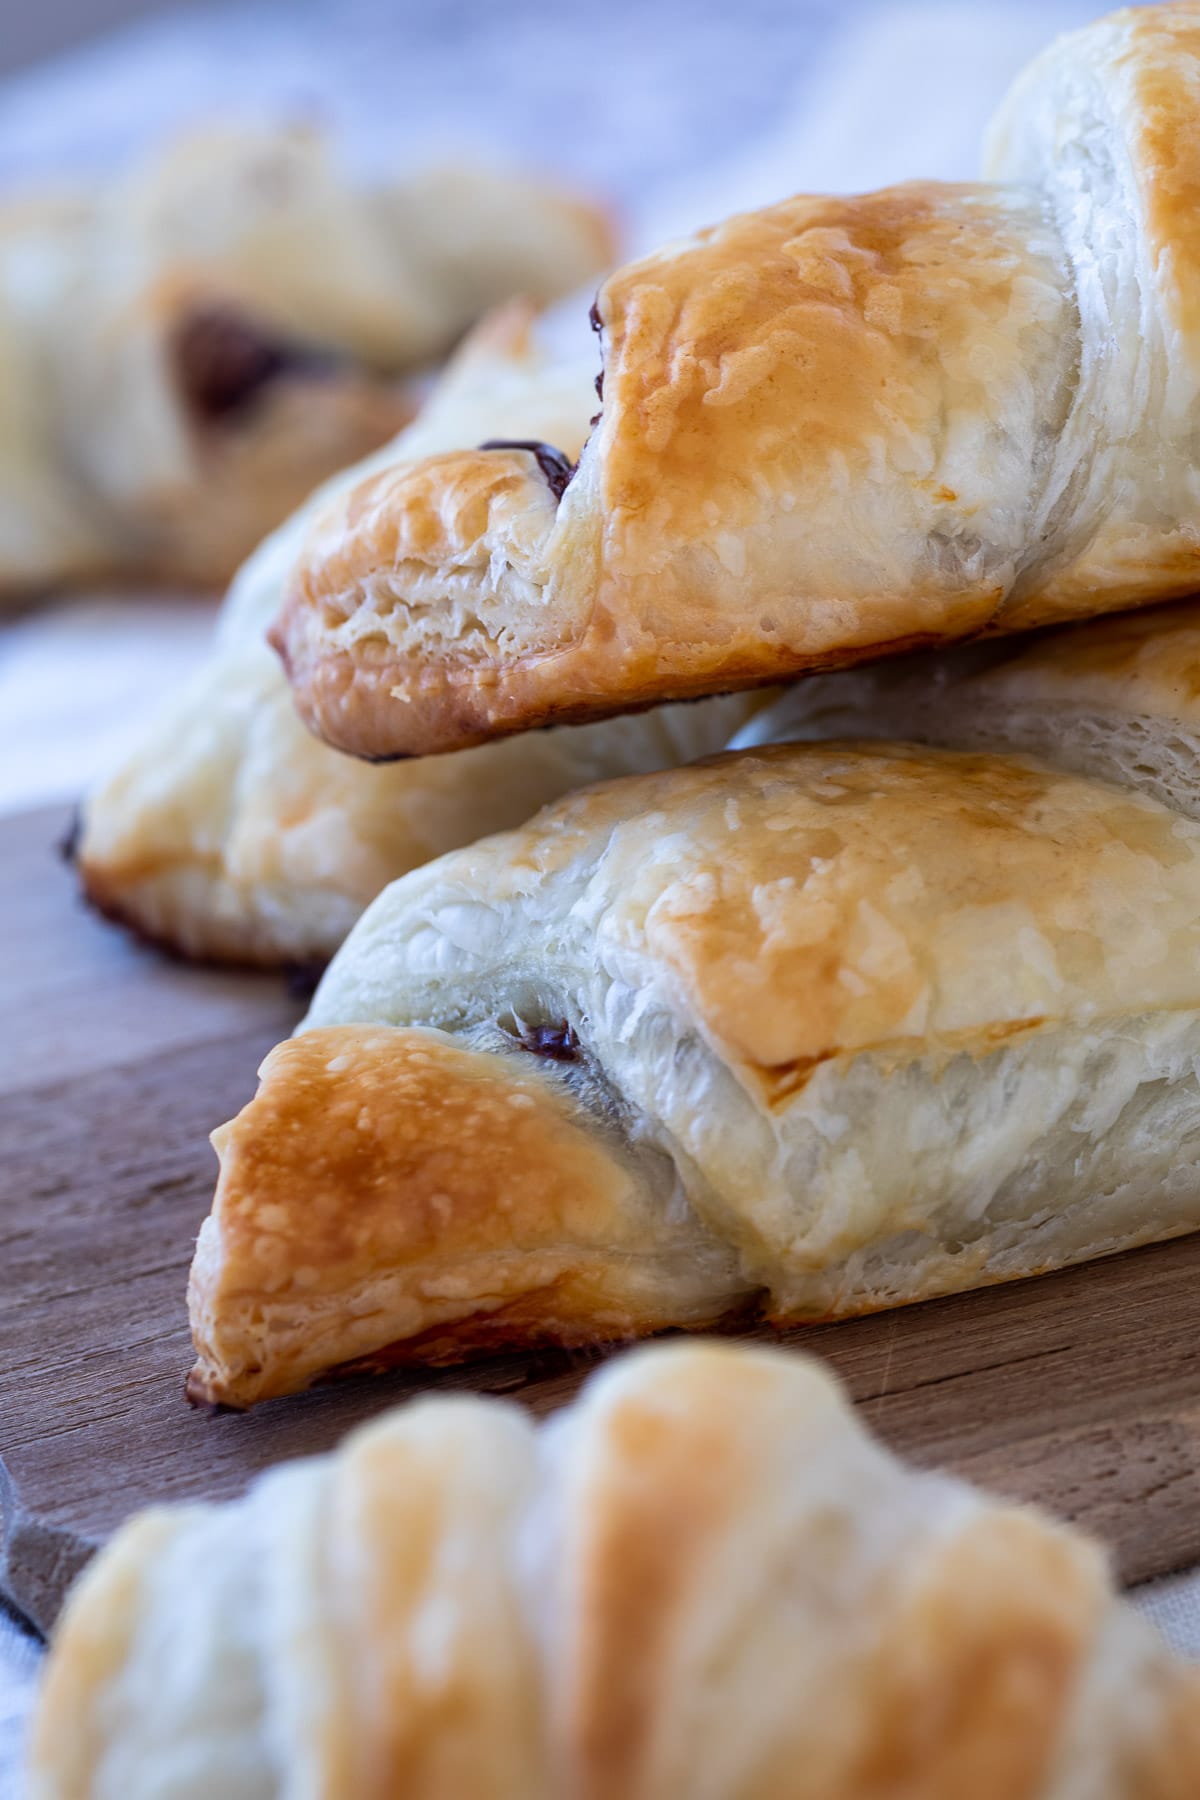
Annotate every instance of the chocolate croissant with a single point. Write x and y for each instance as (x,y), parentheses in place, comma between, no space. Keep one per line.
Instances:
(704,1579)
(186,351)
(809,1030)
(231,833)
(830,429)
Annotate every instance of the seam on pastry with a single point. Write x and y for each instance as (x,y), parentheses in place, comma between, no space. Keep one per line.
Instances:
(1046,546)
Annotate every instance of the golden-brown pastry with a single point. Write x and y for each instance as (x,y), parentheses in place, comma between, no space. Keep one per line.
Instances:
(705,1581)
(813,1029)
(831,429)
(184,352)
(232,833)
(1117,698)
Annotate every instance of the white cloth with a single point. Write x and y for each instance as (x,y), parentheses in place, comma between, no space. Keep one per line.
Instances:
(685,111)
(76,682)
(20,1656)
(1174,1606)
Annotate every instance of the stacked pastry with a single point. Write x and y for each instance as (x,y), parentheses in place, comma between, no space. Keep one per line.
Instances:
(186,350)
(824,1026)
(829,429)
(232,834)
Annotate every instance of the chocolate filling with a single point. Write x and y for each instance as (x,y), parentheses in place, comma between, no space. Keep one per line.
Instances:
(557,1042)
(555,467)
(223,361)
(597,325)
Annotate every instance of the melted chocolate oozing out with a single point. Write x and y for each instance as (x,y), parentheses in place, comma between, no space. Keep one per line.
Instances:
(597,325)
(556,468)
(556,1042)
(224,360)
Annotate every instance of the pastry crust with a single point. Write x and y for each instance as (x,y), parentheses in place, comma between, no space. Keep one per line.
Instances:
(185,352)
(425,1185)
(867,1024)
(831,430)
(1118,699)
(231,833)
(703,1578)
(1106,119)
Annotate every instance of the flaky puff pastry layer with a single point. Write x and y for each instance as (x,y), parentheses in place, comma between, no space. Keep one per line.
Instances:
(832,429)
(1116,698)
(392,1198)
(844,1026)
(232,833)
(185,351)
(704,1581)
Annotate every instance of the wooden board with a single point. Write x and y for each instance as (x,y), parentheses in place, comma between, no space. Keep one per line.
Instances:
(1080,1390)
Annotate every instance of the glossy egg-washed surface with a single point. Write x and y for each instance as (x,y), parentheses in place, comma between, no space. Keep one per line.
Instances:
(806,901)
(842,1026)
(831,429)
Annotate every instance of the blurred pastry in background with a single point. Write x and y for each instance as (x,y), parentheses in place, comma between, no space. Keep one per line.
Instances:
(233,834)
(187,350)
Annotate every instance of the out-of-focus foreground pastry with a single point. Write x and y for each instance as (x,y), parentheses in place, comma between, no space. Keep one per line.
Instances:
(187,350)
(832,429)
(809,1030)
(232,833)
(704,1579)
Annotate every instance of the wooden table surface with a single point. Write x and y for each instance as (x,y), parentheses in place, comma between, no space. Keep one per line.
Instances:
(1080,1390)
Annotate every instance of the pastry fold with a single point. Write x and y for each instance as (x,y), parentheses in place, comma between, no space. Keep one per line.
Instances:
(830,430)
(703,1579)
(840,1027)
(1116,698)
(231,833)
(186,351)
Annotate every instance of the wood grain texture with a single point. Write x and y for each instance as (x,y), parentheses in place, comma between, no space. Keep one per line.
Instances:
(1079,1390)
